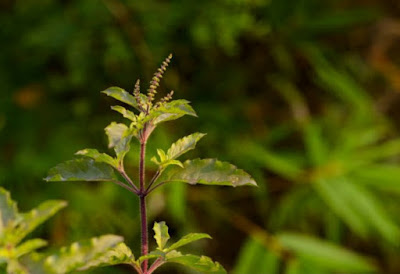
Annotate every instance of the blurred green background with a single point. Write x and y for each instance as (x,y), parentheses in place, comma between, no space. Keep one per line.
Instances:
(304,95)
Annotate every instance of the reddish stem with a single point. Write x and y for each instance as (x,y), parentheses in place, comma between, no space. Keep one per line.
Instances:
(159,262)
(143,218)
(142,197)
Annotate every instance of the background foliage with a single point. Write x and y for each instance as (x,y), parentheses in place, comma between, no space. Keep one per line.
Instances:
(301,94)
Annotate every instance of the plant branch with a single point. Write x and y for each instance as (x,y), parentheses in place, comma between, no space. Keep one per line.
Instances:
(137,268)
(157,263)
(154,187)
(126,177)
(125,186)
(155,177)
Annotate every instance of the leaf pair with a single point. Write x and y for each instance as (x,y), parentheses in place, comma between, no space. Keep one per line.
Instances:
(171,255)
(178,148)
(198,171)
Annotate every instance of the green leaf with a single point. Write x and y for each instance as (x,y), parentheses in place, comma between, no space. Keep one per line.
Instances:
(172,162)
(29,221)
(162,155)
(325,254)
(358,208)
(183,145)
(336,200)
(203,264)
(380,176)
(84,169)
(115,132)
(375,153)
(338,82)
(208,172)
(191,237)
(98,157)
(277,163)
(8,209)
(126,113)
(29,246)
(371,210)
(171,111)
(121,95)
(314,141)
(254,258)
(81,254)
(161,234)
(121,254)
(119,137)
(164,160)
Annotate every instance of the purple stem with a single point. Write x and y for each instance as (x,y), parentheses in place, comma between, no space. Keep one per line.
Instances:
(142,197)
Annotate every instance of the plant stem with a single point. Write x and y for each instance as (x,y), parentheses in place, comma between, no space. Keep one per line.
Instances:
(143,218)
(157,263)
(125,186)
(126,177)
(142,197)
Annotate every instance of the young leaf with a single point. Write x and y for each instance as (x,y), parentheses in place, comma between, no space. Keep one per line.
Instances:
(80,254)
(202,264)
(191,237)
(29,221)
(165,160)
(121,95)
(98,157)
(8,209)
(183,145)
(162,155)
(81,170)
(208,172)
(29,246)
(126,113)
(171,111)
(325,254)
(161,234)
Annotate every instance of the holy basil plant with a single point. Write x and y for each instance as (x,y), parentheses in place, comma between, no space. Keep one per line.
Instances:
(144,115)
